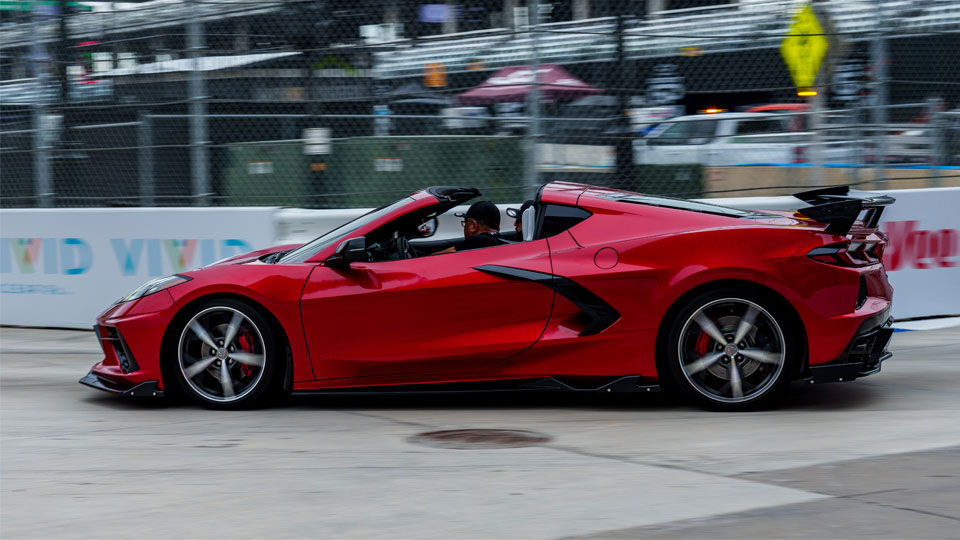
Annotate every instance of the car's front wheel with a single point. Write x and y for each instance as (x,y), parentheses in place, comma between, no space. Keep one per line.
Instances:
(732,349)
(227,355)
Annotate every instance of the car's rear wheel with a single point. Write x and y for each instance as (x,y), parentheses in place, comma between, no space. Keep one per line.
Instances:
(732,349)
(227,355)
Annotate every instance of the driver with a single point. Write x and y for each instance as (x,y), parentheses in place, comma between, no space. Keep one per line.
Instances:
(481,227)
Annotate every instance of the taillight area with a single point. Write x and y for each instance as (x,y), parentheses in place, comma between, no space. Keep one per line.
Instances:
(848,254)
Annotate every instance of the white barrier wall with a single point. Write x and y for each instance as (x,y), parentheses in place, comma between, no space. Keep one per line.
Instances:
(922,256)
(61,267)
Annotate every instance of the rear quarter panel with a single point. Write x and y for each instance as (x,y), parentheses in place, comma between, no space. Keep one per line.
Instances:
(665,253)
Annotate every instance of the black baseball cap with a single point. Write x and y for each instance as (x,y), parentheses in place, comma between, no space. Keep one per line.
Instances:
(483,211)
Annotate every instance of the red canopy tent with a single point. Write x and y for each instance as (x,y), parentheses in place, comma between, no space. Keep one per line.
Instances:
(512,84)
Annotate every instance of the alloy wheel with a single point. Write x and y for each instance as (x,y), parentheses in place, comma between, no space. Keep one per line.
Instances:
(221,354)
(732,351)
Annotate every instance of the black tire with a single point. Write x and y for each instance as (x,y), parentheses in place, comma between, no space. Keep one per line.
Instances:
(243,373)
(758,357)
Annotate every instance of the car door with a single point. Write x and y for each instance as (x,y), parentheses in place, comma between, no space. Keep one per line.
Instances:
(427,318)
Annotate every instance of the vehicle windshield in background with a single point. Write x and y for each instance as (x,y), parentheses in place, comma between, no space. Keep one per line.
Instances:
(310,249)
(686,132)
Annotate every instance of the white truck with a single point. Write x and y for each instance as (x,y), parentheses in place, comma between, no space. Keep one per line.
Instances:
(732,139)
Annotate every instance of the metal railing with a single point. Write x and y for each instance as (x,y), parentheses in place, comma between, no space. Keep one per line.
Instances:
(714,28)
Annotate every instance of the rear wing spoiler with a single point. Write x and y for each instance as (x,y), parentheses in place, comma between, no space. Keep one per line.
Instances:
(839,207)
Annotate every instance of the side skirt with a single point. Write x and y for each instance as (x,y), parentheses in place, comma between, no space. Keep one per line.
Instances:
(628,384)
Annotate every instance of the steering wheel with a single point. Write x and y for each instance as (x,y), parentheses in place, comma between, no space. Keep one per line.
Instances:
(404,249)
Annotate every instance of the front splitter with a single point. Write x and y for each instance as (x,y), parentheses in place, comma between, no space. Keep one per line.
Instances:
(145,389)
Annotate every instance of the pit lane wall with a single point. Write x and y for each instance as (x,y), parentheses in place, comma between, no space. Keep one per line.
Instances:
(61,267)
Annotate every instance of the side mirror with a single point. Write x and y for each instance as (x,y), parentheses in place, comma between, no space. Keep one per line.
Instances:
(428,228)
(349,251)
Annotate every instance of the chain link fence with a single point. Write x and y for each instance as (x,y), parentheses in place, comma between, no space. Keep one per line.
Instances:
(329,104)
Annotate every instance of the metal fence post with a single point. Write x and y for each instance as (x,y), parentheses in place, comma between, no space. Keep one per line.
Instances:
(43,180)
(878,57)
(855,119)
(531,176)
(816,124)
(623,151)
(199,155)
(145,159)
(43,184)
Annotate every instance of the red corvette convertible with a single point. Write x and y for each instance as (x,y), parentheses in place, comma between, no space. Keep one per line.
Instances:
(606,291)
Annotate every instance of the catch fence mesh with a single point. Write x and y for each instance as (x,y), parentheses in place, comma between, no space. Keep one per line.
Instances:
(332,104)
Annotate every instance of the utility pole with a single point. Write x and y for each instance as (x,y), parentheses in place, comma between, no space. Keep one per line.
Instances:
(63,58)
(199,155)
(624,135)
(816,124)
(65,146)
(533,98)
(145,159)
(43,184)
(878,53)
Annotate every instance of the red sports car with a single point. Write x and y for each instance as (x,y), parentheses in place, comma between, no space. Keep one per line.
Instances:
(606,291)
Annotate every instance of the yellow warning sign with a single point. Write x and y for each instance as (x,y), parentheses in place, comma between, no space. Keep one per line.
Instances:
(804,47)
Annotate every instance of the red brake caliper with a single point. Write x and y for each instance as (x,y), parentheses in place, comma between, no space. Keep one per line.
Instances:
(246,345)
(703,343)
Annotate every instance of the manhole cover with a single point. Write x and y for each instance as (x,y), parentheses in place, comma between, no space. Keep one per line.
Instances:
(468,439)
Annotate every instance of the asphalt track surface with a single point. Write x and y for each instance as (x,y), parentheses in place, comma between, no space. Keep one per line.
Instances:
(879,457)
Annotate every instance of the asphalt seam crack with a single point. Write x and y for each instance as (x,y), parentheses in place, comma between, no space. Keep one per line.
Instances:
(391,420)
(884,505)
(630,461)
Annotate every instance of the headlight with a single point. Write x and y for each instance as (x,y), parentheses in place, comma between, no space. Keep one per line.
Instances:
(155,285)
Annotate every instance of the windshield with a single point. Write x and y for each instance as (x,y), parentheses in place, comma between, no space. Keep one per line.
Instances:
(339,234)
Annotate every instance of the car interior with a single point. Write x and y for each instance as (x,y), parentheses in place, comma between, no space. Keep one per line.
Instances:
(408,236)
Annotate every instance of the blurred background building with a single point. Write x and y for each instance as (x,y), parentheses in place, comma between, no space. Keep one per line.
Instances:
(335,103)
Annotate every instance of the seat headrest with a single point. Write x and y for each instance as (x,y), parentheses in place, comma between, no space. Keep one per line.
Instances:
(529,221)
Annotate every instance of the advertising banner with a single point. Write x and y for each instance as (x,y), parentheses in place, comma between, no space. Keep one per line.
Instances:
(922,257)
(62,267)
